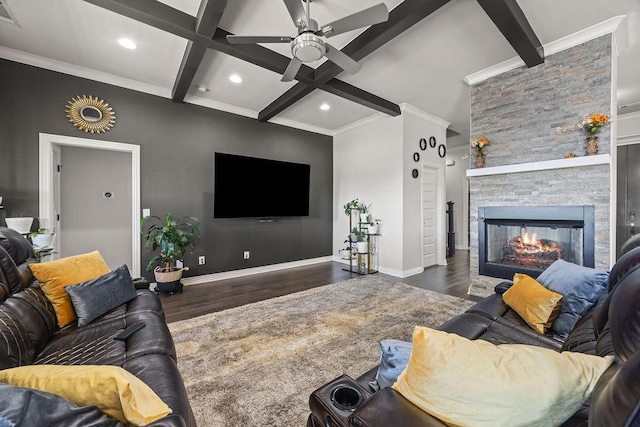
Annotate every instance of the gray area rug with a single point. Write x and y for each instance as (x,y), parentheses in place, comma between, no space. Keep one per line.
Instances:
(257,364)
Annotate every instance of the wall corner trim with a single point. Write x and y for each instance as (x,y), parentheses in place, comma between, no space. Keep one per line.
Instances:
(606,27)
(410,109)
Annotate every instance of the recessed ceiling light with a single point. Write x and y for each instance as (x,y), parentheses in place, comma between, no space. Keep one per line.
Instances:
(202,89)
(128,43)
(325,107)
(235,78)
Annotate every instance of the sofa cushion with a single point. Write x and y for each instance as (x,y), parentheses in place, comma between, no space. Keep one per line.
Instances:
(580,287)
(115,391)
(95,297)
(29,407)
(394,356)
(55,275)
(464,382)
(537,305)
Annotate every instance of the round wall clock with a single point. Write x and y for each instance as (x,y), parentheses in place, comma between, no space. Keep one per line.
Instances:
(416,157)
(442,150)
(423,144)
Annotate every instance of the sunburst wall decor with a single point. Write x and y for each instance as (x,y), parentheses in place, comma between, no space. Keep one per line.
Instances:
(90,114)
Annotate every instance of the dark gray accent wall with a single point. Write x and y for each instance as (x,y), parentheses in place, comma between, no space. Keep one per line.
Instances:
(178,142)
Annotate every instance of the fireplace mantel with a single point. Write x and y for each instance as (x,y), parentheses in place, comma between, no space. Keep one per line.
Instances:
(598,159)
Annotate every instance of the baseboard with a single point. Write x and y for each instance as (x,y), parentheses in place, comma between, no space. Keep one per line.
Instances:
(462,247)
(390,271)
(205,278)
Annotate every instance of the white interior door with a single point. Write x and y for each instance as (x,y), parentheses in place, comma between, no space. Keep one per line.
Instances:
(429,217)
(56,201)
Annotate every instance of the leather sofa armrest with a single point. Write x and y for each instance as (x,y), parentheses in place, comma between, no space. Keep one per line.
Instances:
(388,408)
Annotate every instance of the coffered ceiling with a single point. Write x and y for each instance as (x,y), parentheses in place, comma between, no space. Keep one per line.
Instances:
(420,56)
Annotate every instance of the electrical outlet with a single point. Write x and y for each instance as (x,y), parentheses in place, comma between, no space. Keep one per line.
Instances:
(201,260)
(246,254)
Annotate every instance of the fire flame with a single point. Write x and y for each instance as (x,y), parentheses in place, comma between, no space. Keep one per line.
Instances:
(530,240)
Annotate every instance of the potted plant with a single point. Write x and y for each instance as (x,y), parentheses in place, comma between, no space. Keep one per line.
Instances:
(43,242)
(374,225)
(353,204)
(359,237)
(172,237)
(364,212)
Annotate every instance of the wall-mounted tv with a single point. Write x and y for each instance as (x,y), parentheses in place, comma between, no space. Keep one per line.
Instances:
(250,187)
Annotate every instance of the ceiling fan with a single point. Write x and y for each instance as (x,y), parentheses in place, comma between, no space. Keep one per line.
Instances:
(308,45)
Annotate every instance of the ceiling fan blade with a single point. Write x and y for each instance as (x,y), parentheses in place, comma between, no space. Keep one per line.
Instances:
(342,60)
(258,39)
(292,70)
(373,15)
(296,11)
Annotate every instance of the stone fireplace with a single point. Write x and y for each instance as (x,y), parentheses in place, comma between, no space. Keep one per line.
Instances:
(514,239)
(529,164)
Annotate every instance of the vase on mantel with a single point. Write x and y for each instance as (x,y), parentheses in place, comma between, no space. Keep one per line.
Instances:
(592,145)
(479,161)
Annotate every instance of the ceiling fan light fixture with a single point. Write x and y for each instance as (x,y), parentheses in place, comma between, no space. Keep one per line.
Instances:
(308,47)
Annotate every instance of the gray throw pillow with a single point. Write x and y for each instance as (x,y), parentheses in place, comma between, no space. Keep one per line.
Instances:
(394,357)
(580,288)
(93,298)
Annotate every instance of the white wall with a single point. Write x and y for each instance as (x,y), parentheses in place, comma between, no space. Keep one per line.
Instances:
(367,165)
(457,188)
(417,125)
(629,128)
(88,221)
(373,162)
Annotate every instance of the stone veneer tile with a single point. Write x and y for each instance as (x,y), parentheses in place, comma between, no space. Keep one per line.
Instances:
(519,112)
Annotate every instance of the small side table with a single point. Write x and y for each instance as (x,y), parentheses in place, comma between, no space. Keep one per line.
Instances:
(333,403)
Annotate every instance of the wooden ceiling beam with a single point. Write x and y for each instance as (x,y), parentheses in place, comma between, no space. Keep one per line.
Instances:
(514,26)
(401,18)
(161,16)
(209,15)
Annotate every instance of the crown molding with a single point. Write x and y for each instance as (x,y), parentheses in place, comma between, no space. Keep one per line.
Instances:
(101,77)
(606,27)
(222,106)
(410,109)
(361,122)
(86,73)
(301,126)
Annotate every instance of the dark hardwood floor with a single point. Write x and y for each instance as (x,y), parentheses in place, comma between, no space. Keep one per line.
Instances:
(195,300)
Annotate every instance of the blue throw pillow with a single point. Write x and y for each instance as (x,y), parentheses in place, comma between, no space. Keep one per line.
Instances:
(94,298)
(394,358)
(580,288)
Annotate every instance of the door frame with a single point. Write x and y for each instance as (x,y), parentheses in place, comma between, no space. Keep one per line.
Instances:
(46,204)
(441,222)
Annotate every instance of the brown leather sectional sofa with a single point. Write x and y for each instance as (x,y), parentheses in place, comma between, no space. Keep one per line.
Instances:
(610,327)
(29,335)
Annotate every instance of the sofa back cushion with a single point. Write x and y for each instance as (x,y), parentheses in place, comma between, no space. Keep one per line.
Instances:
(16,347)
(16,253)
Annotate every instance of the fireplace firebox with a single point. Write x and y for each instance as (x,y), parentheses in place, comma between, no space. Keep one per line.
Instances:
(528,239)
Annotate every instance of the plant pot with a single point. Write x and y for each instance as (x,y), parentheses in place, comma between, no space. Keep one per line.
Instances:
(20,224)
(362,247)
(171,274)
(364,217)
(373,228)
(592,145)
(43,240)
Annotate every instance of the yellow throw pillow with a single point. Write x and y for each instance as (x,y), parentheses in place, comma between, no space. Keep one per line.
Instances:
(476,383)
(55,275)
(537,305)
(118,393)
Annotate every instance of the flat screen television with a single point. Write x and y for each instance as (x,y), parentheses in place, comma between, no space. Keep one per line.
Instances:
(250,187)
